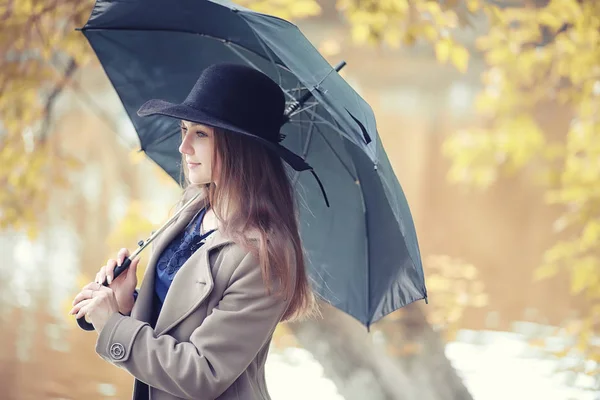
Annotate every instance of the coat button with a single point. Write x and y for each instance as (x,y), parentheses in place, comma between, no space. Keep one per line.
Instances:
(117,351)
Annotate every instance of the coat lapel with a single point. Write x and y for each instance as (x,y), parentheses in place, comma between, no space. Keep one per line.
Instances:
(143,306)
(191,286)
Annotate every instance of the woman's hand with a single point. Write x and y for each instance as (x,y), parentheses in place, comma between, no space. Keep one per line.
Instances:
(124,285)
(97,302)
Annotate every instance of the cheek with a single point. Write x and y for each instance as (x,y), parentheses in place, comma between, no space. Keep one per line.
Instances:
(203,151)
(204,154)
(207,152)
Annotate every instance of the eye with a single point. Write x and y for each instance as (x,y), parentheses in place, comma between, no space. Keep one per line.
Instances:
(201,134)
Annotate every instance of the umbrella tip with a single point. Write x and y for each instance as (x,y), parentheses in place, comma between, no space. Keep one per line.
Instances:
(341,65)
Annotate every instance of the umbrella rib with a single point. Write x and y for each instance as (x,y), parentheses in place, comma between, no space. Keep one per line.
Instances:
(297,89)
(323,120)
(298,122)
(305,147)
(243,57)
(253,65)
(162,138)
(262,44)
(328,123)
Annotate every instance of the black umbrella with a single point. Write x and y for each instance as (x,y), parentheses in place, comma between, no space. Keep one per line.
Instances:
(363,255)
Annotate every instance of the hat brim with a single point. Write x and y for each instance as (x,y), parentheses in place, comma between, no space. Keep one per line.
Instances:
(184,112)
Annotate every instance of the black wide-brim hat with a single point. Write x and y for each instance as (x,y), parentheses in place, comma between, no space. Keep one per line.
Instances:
(239,99)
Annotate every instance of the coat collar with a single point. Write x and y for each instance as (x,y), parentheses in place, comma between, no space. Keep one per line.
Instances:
(192,283)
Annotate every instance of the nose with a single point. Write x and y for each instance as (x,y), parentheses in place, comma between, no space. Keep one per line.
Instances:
(185,147)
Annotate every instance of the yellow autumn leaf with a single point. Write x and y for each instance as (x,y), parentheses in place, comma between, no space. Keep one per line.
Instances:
(304,8)
(360,33)
(591,233)
(545,271)
(584,275)
(393,37)
(568,9)
(398,6)
(550,18)
(422,30)
(473,5)
(32,232)
(460,58)
(443,48)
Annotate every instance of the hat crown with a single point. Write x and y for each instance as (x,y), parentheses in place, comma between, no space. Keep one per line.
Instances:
(241,96)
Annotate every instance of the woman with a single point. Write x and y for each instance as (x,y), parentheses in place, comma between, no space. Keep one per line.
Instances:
(228,270)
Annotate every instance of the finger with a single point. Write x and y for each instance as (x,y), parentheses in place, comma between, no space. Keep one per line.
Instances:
(92,286)
(83,295)
(109,270)
(102,291)
(85,309)
(87,293)
(101,275)
(104,274)
(134,264)
(79,306)
(121,255)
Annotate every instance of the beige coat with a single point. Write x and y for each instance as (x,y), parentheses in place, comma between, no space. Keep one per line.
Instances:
(213,333)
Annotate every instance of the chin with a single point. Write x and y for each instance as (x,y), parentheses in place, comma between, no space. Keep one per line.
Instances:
(194,180)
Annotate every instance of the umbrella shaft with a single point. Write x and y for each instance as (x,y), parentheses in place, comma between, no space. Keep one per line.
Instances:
(300,102)
(144,244)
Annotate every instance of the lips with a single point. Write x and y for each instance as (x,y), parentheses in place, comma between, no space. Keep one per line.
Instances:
(192,165)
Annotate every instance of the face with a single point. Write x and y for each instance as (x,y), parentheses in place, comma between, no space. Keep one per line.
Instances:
(197,150)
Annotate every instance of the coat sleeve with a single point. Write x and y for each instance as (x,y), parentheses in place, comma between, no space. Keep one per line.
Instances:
(219,350)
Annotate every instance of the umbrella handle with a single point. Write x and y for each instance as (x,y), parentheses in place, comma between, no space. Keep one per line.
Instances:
(83,324)
(86,326)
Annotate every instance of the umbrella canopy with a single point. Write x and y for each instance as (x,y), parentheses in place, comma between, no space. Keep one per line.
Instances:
(363,254)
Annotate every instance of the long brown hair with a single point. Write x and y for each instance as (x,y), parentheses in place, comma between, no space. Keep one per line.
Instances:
(254,194)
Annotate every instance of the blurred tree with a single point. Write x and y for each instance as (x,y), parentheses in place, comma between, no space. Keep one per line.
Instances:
(536,56)
(403,356)
(40,54)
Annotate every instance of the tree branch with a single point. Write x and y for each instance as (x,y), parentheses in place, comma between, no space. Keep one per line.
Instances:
(8,13)
(68,73)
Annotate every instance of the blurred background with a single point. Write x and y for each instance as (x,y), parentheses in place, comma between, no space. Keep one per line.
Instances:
(489,113)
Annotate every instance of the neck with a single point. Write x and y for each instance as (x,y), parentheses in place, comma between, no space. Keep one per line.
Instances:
(210,220)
